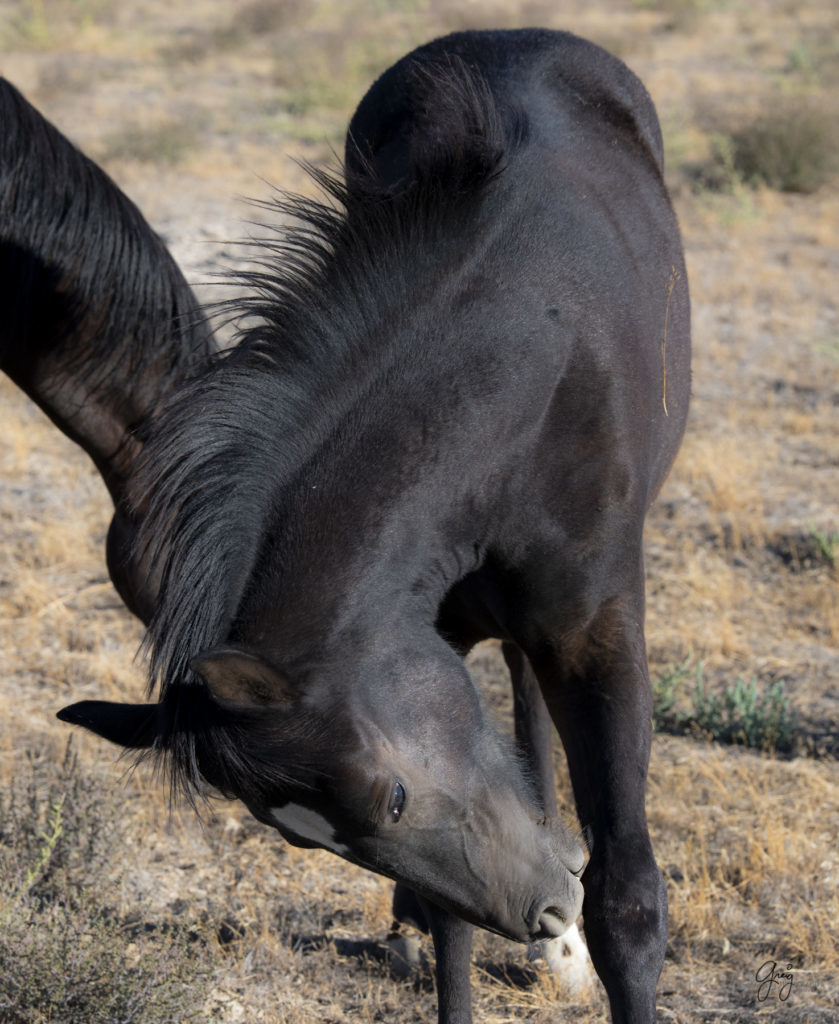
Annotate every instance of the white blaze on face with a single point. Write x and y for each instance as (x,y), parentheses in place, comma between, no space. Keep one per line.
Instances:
(308,825)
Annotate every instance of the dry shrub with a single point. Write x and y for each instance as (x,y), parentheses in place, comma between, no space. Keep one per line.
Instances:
(65,953)
(256,19)
(74,964)
(786,142)
(793,149)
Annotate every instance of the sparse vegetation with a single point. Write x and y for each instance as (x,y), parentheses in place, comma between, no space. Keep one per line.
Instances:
(100,882)
(827,543)
(65,953)
(162,144)
(679,15)
(792,147)
(829,348)
(741,713)
(44,24)
(254,19)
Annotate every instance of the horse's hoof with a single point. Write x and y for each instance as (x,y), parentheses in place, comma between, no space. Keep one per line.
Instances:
(404,954)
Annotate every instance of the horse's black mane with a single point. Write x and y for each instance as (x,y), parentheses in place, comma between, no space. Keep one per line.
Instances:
(327,295)
(71,243)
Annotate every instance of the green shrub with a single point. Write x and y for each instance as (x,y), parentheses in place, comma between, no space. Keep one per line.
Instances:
(744,715)
(827,544)
(741,713)
(666,691)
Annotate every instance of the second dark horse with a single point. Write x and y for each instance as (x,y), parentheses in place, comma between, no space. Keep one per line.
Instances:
(468,382)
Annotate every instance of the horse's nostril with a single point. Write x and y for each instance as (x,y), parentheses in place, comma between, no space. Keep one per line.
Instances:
(552,923)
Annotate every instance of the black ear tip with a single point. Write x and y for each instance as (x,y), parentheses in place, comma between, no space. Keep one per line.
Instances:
(70,714)
(82,713)
(129,725)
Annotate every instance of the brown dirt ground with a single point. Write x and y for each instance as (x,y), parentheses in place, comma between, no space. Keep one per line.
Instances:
(190,107)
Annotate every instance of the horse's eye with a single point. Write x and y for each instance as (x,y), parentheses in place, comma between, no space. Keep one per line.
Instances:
(397,802)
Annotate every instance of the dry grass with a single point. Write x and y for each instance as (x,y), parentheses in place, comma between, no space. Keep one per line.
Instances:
(751,869)
(735,577)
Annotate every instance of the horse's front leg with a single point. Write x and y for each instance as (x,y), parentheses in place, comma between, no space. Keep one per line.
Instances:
(566,956)
(533,728)
(597,688)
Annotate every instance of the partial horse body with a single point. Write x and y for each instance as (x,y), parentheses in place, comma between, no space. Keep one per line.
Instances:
(98,322)
(469,379)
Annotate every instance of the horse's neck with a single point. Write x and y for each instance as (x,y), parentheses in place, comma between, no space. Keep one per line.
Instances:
(105,408)
(100,423)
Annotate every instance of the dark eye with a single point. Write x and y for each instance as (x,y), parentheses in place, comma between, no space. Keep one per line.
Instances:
(397,802)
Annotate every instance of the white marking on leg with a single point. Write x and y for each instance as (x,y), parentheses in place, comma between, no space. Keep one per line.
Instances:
(308,825)
(568,958)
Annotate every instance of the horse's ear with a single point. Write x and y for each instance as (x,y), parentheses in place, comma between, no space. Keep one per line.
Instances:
(131,725)
(242,678)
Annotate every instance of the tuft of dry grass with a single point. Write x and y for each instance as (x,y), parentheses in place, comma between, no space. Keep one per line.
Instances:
(751,871)
(725,476)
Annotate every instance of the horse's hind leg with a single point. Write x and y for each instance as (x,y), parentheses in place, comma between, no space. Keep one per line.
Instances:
(453,949)
(406,955)
(408,908)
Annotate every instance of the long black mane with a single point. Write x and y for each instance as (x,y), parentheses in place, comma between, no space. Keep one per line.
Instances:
(84,282)
(327,298)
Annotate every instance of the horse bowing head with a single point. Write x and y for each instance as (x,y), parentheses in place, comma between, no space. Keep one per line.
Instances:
(402,774)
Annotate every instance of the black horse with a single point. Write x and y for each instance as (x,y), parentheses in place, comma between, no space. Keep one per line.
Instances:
(469,378)
(98,322)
